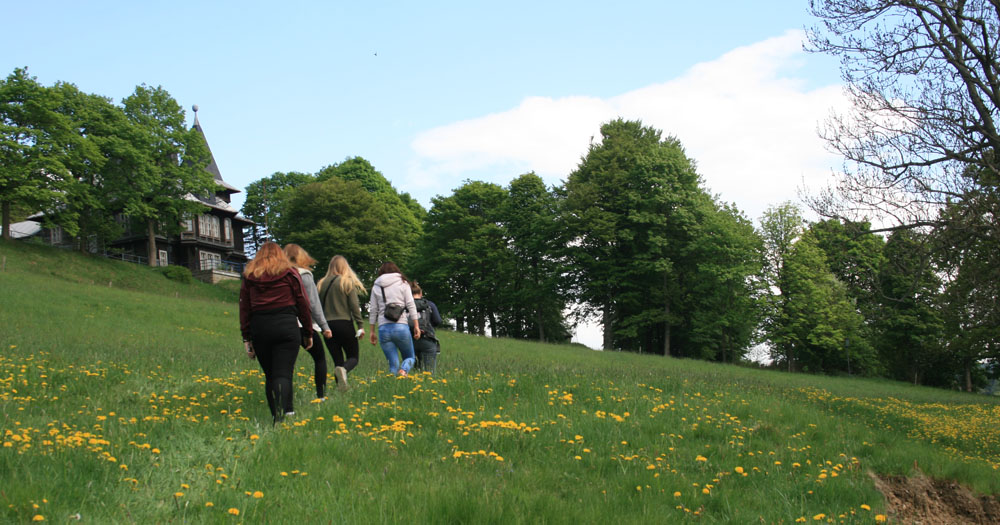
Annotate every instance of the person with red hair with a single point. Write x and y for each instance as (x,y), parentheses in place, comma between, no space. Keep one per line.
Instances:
(273,306)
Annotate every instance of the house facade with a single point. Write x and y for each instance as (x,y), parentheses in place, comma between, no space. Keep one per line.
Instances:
(210,243)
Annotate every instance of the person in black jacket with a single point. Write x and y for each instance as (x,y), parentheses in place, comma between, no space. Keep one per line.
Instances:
(427,347)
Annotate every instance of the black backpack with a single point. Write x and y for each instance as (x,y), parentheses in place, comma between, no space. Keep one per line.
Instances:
(426,327)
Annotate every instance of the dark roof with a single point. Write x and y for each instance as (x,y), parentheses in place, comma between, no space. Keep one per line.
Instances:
(212,168)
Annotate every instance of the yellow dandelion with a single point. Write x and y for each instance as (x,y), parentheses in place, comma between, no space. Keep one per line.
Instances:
(819,517)
(37,517)
(739,470)
(258,494)
(677,494)
(209,504)
(234,511)
(178,494)
(701,458)
(185,486)
(285,474)
(706,490)
(866,507)
(880,518)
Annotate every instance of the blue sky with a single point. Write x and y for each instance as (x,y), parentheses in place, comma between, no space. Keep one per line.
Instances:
(435,93)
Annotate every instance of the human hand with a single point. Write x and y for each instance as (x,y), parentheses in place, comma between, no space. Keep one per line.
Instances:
(309,343)
(249,348)
(360,334)
(327,333)
(372,338)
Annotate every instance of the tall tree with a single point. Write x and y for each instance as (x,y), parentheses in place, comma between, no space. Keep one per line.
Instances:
(780,227)
(908,324)
(338,217)
(36,144)
(405,213)
(925,81)
(264,201)
(626,207)
(463,257)
(535,292)
(818,326)
(104,175)
(720,268)
(176,158)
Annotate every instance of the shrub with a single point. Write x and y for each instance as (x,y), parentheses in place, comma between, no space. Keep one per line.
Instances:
(177,273)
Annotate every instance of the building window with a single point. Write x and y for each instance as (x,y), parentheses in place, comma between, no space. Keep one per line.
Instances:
(188,224)
(228,230)
(56,235)
(161,258)
(209,260)
(215,227)
(204,228)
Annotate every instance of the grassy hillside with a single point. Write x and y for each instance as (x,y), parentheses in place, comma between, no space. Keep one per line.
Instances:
(135,403)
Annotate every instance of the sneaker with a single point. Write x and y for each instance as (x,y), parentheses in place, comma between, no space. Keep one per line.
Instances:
(341,374)
(289,413)
(319,399)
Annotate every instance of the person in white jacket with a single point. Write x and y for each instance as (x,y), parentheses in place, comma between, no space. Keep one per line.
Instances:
(302,262)
(392,288)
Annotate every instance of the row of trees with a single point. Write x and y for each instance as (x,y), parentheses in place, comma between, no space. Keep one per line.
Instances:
(81,160)
(632,238)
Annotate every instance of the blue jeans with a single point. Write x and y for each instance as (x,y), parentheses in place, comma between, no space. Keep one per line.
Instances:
(395,338)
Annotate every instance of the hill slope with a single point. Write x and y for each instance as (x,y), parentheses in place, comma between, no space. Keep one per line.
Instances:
(135,403)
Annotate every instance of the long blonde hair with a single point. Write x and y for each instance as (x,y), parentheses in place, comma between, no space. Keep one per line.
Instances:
(299,257)
(269,260)
(349,281)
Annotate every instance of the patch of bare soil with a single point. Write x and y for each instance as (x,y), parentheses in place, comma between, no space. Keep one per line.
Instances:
(925,501)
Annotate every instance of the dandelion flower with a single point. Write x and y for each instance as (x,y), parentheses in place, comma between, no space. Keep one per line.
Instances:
(866,507)
(209,504)
(880,518)
(234,511)
(178,494)
(258,494)
(819,517)
(677,494)
(739,470)
(38,517)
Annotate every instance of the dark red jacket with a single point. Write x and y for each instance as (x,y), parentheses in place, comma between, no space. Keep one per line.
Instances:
(267,292)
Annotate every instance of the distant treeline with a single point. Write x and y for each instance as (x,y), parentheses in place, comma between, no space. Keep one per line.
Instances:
(633,239)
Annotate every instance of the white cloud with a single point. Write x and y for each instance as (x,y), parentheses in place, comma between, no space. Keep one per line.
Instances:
(749,125)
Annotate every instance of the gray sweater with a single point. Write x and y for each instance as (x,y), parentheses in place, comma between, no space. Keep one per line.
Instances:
(396,291)
(315,308)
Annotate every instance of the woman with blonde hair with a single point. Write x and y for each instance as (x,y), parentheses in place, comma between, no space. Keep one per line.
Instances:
(272,307)
(302,262)
(339,290)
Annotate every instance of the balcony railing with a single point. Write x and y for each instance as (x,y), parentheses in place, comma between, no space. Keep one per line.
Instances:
(225,266)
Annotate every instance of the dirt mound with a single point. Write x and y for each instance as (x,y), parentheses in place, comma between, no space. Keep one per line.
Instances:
(927,501)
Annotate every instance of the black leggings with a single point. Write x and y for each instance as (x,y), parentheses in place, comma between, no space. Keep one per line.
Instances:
(319,359)
(276,338)
(343,341)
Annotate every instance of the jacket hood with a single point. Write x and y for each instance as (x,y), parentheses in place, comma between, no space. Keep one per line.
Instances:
(264,278)
(388,279)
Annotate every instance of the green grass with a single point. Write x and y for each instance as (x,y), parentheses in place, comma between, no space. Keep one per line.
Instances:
(135,403)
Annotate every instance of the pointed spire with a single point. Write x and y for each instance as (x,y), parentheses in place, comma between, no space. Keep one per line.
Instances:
(195,109)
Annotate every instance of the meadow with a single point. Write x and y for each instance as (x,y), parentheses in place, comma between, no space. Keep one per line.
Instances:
(126,397)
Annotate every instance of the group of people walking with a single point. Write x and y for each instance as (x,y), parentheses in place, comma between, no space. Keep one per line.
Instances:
(282,308)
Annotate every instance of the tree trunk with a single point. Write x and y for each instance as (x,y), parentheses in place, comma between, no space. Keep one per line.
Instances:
(968,378)
(608,326)
(666,330)
(541,328)
(666,312)
(6,220)
(152,242)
